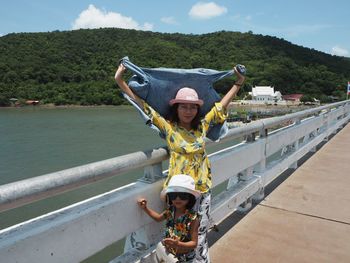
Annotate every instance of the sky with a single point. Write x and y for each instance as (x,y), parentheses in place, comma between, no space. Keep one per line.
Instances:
(319,24)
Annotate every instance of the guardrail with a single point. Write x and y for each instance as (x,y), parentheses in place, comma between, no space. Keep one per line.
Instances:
(78,231)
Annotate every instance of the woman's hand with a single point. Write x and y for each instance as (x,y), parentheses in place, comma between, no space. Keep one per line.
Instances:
(142,203)
(240,77)
(225,101)
(124,87)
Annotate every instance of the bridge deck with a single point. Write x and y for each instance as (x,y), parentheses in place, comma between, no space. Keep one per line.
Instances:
(306,219)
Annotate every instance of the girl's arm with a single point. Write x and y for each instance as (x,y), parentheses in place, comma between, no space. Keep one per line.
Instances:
(185,247)
(123,86)
(225,101)
(156,216)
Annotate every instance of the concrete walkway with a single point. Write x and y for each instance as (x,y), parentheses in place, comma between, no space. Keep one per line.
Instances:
(306,219)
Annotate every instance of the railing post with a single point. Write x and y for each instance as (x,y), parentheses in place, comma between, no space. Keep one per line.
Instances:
(233,180)
(248,173)
(144,238)
(326,124)
(152,173)
(344,115)
(296,147)
(346,110)
(248,203)
(310,136)
(261,167)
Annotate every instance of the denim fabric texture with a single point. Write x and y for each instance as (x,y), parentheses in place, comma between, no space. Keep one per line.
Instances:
(157,86)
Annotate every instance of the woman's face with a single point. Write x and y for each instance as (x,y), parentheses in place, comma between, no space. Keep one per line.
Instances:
(187,112)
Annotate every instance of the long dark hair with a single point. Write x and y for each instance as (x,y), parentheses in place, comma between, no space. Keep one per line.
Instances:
(174,117)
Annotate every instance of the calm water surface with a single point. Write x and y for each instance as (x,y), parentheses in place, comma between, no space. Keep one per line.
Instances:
(35,141)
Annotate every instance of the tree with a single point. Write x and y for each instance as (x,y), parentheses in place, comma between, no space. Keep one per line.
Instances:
(4,101)
(307,98)
(78,66)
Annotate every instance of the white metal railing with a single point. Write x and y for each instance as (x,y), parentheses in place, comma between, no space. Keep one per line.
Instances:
(78,231)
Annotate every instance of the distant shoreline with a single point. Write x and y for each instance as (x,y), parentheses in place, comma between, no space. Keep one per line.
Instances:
(52,106)
(232,106)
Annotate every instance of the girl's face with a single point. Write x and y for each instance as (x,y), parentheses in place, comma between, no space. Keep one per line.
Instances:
(179,200)
(187,112)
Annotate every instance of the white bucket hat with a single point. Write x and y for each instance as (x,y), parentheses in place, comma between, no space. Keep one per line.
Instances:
(180,183)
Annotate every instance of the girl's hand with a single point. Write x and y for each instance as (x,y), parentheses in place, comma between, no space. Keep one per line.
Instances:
(240,77)
(171,242)
(142,203)
(120,71)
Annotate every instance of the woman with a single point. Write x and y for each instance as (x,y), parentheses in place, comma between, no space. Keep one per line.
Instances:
(184,133)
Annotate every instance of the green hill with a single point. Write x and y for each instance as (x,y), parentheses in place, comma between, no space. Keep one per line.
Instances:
(77,67)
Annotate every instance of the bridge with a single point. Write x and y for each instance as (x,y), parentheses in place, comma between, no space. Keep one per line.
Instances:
(306,219)
(241,172)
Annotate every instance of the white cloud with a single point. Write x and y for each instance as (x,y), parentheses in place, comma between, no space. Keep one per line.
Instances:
(93,17)
(169,20)
(339,51)
(206,10)
(146,26)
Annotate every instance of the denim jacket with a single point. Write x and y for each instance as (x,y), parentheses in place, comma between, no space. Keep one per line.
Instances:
(157,86)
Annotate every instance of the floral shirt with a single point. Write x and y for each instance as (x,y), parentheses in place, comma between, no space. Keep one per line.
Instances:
(179,227)
(187,148)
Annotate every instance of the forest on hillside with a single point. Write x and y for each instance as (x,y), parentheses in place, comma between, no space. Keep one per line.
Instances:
(77,67)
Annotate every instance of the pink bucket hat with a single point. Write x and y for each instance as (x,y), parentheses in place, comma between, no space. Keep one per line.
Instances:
(186,95)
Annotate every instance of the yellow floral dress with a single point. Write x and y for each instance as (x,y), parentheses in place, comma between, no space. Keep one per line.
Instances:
(187,148)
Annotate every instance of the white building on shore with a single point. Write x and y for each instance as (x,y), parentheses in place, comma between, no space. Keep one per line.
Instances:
(265,94)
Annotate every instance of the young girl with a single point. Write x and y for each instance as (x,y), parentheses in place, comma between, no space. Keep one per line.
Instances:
(181,232)
(184,134)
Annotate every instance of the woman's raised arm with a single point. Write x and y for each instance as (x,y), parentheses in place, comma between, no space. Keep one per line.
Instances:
(225,101)
(123,86)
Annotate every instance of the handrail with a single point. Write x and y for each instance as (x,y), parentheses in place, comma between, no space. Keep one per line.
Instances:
(29,190)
